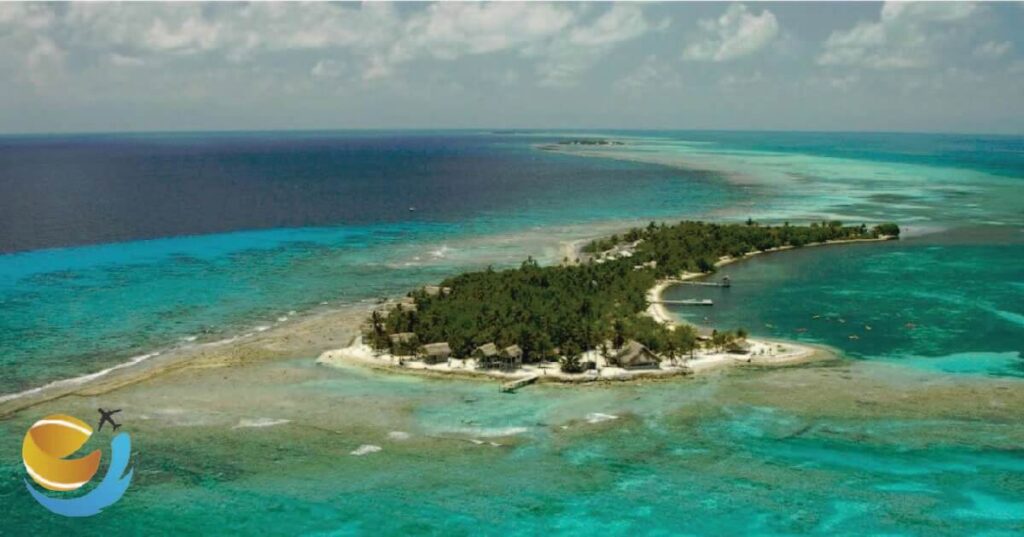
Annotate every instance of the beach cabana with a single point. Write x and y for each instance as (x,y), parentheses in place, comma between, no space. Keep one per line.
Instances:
(511,357)
(634,355)
(433,353)
(486,355)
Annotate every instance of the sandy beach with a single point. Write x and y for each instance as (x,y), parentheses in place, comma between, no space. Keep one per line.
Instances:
(762,352)
(360,354)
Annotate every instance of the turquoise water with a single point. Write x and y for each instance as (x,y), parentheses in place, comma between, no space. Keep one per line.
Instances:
(701,457)
(917,180)
(70,311)
(937,301)
(916,432)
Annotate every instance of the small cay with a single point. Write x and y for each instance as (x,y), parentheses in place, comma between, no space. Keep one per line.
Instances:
(597,317)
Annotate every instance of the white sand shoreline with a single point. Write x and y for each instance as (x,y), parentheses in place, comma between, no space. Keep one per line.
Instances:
(800,353)
(659,313)
(762,352)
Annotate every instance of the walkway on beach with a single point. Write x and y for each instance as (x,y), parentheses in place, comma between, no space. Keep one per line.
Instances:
(514,385)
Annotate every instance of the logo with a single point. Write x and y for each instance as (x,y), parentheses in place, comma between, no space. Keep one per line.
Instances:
(47,445)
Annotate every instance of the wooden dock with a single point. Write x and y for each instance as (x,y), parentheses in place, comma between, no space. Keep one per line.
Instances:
(687,302)
(705,284)
(512,386)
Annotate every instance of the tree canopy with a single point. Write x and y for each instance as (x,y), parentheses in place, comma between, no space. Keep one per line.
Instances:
(564,310)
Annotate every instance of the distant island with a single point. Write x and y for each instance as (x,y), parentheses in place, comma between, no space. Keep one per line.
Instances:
(590,141)
(597,316)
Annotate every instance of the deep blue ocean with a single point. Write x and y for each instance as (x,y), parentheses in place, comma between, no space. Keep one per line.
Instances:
(91,189)
(114,246)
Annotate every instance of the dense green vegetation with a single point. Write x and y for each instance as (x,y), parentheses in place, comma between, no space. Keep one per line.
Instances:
(594,304)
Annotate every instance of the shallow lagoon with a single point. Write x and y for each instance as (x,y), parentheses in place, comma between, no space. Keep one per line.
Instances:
(843,447)
(934,301)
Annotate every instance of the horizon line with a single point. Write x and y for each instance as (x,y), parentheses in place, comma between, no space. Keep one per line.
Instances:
(498,130)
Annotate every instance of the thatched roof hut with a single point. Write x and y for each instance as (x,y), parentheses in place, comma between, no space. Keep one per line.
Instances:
(634,355)
(511,357)
(486,355)
(487,350)
(512,351)
(436,352)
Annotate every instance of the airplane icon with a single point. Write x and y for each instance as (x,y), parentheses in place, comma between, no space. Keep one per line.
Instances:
(105,417)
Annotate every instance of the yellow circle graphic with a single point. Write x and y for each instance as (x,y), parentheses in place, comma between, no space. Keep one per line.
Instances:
(46,445)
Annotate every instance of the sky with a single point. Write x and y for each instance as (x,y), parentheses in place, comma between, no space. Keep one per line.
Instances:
(928,67)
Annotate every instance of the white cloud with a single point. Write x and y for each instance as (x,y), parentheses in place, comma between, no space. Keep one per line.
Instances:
(620,23)
(567,58)
(559,36)
(27,16)
(328,69)
(44,63)
(193,34)
(651,75)
(733,81)
(450,30)
(907,35)
(377,38)
(736,33)
(32,55)
(229,31)
(844,82)
(121,60)
(160,65)
(992,49)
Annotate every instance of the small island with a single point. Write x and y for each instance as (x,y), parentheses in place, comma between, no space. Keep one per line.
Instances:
(596,317)
(590,141)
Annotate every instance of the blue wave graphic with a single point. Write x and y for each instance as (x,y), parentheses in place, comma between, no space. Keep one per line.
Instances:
(113,486)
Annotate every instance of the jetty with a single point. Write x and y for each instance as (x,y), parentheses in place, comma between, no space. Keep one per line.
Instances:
(726,282)
(704,284)
(512,386)
(686,302)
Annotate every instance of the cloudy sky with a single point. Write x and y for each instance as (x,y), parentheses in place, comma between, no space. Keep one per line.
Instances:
(807,66)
